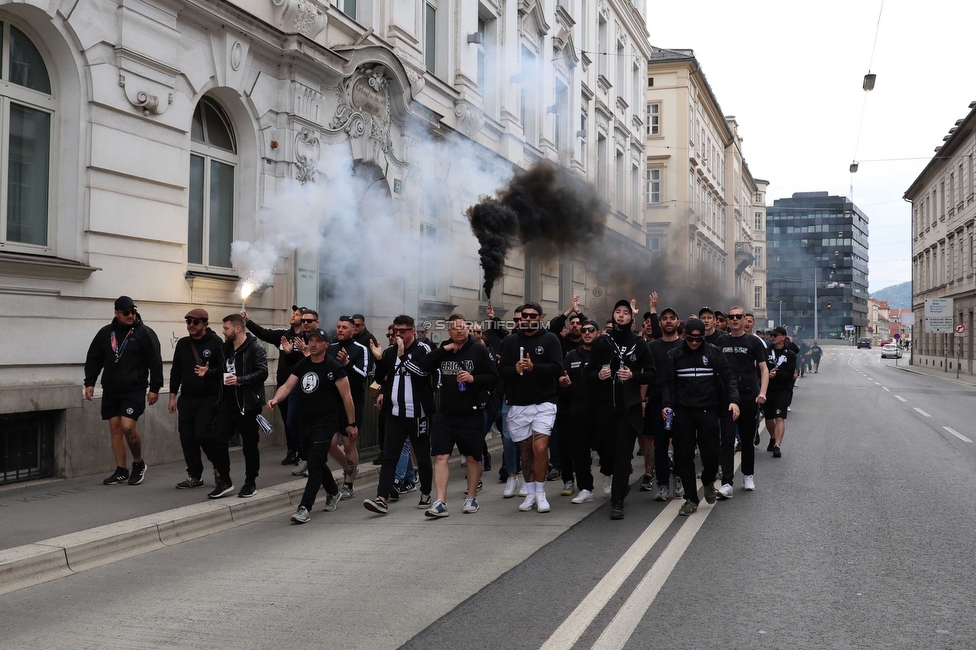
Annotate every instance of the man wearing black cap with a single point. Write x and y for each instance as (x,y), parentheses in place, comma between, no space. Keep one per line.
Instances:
(282,337)
(577,410)
(692,393)
(241,399)
(324,393)
(620,366)
(653,424)
(530,364)
(127,354)
(707,316)
(782,375)
(196,375)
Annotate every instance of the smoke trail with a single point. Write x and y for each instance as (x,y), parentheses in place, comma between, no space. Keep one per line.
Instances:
(546,208)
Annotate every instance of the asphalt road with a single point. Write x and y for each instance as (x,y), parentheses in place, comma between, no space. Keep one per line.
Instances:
(861,536)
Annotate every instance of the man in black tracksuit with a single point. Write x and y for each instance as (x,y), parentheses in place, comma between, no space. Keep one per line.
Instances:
(126,353)
(577,409)
(620,365)
(197,371)
(354,358)
(692,389)
(241,399)
(465,370)
(653,423)
(284,337)
(407,402)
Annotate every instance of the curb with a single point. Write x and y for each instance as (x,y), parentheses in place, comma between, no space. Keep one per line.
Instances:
(58,557)
(933,376)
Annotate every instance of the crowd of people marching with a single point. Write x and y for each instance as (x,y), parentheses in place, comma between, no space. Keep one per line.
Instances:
(557,391)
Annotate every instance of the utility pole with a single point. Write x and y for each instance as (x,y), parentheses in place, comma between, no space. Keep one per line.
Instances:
(816,303)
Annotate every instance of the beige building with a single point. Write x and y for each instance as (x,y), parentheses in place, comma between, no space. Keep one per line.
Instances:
(702,197)
(145,137)
(943,257)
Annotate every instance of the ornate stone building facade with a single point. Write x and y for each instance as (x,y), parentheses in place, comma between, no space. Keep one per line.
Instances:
(144,137)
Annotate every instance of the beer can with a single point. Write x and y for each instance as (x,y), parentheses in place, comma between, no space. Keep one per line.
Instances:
(669,420)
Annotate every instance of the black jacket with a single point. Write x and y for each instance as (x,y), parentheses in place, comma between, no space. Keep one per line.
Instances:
(407,390)
(659,349)
(474,358)
(250,363)
(130,361)
(631,352)
(784,362)
(273,336)
(538,386)
(577,398)
(182,376)
(556,326)
(698,379)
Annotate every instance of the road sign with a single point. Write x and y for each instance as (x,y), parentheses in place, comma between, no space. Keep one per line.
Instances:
(897,336)
(848,328)
(938,316)
(960,329)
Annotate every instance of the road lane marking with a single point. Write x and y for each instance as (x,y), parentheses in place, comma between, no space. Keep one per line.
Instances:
(922,412)
(957,434)
(877,383)
(901,398)
(886,388)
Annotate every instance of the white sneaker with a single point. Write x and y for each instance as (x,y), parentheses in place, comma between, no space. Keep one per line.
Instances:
(607,485)
(748,483)
(528,504)
(301,469)
(584,496)
(541,502)
(511,487)
(725,492)
(523,490)
(679,489)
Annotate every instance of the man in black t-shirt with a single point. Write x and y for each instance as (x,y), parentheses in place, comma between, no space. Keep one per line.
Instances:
(653,422)
(747,356)
(323,385)
(782,375)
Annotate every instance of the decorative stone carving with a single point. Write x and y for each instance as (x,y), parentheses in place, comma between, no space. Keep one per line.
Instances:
(305,17)
(364,106)
(147,103)
(469,119)
(307,102)
(308,150)
(236,55)
(415,78)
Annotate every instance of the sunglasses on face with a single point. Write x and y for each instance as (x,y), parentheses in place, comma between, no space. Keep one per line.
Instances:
(736,316)
(403,330)
(194,321)
(588,330)
(310,320)
(128,312)
(530,315)
(695,339)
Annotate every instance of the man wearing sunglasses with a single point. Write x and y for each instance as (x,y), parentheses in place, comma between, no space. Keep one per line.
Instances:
(697,385)
(782,376)
(747,357)
(578,412)
(127,355)
(530,364)
(653,424)
(196,375)
(281,337)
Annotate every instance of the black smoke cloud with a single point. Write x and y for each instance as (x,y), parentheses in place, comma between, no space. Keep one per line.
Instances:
(545,208)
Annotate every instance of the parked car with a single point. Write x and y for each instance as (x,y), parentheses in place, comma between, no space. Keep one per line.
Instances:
(890,351)
(864,343)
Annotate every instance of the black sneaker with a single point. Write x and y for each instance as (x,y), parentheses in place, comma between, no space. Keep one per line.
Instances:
(771,445)
(248,491)
(424,501)
(377,461)
(647,483)
(138,473)
(291,458)
(120,475)
(502,474)
(189,482)
(223,488)
(376,505)
(755,439)
(553,474)
(408,487)
(617,511)
(486,462)
(394,494)
(777,453)
(710,493)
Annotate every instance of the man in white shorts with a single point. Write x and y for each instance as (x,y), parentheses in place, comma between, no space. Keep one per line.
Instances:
(531,362)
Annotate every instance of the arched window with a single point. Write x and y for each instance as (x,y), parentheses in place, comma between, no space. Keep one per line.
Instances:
(213,190)
(27,108)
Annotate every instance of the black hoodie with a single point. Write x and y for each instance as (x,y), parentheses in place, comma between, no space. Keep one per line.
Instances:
(128,358)
(183,375)
(621,347)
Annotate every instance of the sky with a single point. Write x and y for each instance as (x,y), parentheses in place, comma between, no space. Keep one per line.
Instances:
(791,74)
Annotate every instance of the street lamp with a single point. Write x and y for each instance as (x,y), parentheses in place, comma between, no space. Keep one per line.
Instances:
(780,313)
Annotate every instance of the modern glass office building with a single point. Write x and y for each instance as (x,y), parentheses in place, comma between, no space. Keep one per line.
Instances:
(817,265)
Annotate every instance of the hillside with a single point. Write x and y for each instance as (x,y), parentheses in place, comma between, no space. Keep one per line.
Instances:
(899,296)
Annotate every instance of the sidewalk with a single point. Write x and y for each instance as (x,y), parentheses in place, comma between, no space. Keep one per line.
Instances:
(51,529)
(928,371)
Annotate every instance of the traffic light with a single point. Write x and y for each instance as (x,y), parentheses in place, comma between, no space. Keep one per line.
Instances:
(828,305)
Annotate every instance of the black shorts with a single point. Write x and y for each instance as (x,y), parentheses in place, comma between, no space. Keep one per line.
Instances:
(777,403)
(465,431)
(127,405)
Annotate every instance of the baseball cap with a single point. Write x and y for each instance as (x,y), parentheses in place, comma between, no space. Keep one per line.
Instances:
(198,313)
(646,315)
(123,302)
(319,332)
(778,331)
(705,310)
(719,314)
(669,309)
(532,305)
(297,308)
(694,326)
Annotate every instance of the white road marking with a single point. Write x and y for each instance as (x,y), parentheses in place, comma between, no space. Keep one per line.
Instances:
(957,434)
(886,388)
(922,412)
(900,398)
(877,383)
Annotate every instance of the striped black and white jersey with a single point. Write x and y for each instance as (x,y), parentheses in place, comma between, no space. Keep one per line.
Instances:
(407,390)
(698,379)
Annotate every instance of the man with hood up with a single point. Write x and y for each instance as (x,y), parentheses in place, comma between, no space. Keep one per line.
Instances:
(620,366)
(126,353)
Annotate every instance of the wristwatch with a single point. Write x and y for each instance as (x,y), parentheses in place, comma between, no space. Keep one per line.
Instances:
(352,424)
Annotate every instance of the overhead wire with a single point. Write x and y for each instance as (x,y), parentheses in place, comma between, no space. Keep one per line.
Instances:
(864,102)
